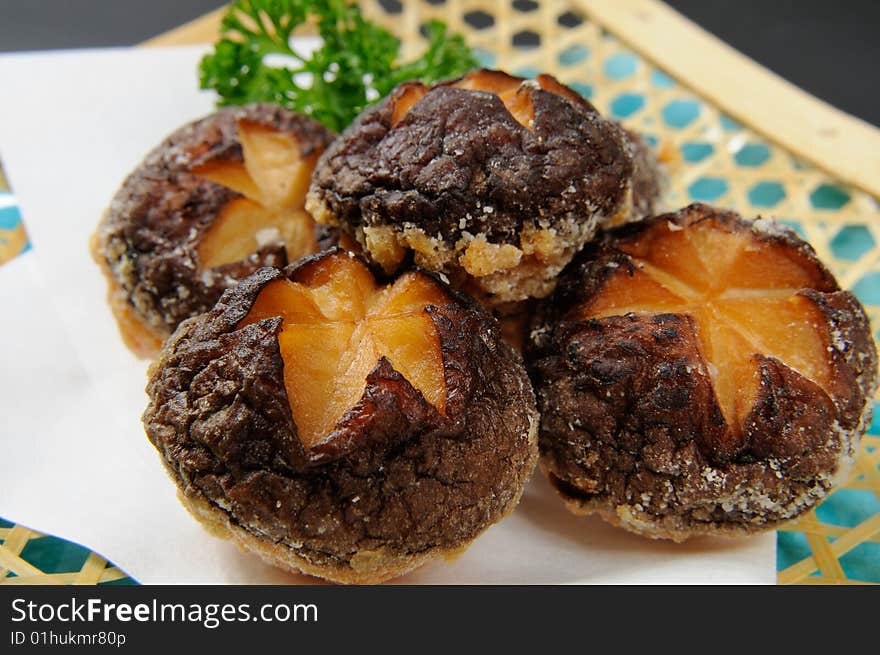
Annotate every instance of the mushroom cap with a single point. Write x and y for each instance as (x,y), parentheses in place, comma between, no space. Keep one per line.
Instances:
(494,180)
(147,242)
(634,424)
(401,484)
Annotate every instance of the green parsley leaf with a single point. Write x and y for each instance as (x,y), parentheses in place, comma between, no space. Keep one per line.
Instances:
(355,65)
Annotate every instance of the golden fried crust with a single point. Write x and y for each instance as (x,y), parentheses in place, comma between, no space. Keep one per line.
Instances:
(136,334)
(147,241)
(403,484)
(632,427)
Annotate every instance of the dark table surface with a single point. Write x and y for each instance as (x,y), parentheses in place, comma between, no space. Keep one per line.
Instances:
(828,48)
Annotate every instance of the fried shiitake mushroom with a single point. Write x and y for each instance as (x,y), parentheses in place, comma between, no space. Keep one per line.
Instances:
(492,180)
(218,199)
(698,373)
(342,428)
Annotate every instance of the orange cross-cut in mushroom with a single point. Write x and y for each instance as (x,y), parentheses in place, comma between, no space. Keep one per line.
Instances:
(338,323)
(273,180)
(516,97)
(510,90)
(410,95)
(742,293)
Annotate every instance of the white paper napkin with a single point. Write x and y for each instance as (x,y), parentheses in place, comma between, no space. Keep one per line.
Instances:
(75,461)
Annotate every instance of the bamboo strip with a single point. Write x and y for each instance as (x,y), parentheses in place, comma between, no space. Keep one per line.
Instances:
(202,30)
(809,127)
(814,526)
(824,558)
(107,575)
(862,532)
(90,572)
(10,561)
(17,539)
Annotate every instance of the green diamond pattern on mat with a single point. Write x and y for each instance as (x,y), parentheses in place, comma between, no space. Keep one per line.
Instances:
(572,55)
(708,189)
(829,196)
(791,548)
(52,555)
(766,194)
(661,80)
(627,104)
(852,242)
(728,124)
(681,113)
(868,289)
(10,216)
(848,507)
(752,154)
(796,226)
(485,58)
(696,151)
(586,90)
(861,562)
(529,72)
(621,66)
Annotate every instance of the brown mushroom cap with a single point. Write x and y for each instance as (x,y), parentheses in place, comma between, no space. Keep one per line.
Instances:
(151,241)
(399,480)
(727,413)
(494,180)
(650,179)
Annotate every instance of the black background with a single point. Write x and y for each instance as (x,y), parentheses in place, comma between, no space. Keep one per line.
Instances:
(503,620)
(828,48)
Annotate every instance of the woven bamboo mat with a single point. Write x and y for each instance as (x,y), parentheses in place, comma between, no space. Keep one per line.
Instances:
(592,46)
(28,557)
(13,238)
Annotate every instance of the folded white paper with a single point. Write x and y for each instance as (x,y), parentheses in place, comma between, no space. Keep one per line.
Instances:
(75,461)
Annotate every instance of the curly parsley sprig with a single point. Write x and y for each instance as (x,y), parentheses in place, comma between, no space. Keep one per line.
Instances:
(355,65)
